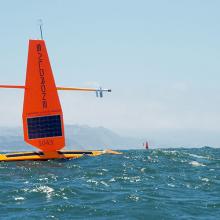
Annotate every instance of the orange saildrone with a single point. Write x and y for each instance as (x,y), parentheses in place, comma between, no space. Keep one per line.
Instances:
(43,123)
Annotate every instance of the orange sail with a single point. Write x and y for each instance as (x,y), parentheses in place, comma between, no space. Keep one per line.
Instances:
(42,112)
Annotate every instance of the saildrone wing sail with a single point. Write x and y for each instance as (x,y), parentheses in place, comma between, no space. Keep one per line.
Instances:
(42,113)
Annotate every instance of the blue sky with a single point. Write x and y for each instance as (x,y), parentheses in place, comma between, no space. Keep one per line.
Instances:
(161,59)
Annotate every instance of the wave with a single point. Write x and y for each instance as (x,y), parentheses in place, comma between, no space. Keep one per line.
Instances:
(139,184)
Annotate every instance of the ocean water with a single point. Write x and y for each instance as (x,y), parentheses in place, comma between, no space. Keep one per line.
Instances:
(140,184)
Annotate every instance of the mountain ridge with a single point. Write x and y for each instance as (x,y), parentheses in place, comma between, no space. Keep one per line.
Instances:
(80,137)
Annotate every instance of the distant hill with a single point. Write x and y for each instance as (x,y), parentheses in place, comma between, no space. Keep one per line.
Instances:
(77,137)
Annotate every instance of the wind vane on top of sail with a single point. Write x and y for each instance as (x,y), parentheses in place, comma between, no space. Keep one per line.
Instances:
(40,23)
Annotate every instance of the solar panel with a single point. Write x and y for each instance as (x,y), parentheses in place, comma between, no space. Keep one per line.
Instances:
(43,127)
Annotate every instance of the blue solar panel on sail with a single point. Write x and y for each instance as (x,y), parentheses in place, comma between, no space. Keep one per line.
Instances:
(46,126)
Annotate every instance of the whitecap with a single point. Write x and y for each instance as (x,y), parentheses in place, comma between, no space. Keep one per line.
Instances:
(205,179)
(172,178)
(134,198)
(143,169)
(198,156)
(104,183)
(170,152)
(105,170)
(42,179)
(196,164)
(45,189)
(125,178)
(92,181)
(112,180)
(188,186)
(19,198)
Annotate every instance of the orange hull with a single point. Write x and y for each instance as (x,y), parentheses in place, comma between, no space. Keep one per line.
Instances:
(34,156)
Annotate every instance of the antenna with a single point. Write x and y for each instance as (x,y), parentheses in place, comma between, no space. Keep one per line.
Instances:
(40,22)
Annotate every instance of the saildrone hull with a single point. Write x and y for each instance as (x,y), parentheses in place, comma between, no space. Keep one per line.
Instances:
(39,155)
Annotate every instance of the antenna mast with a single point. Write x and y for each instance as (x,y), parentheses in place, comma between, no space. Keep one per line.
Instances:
(41,29)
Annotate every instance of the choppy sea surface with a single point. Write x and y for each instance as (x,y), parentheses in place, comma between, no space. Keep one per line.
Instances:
(140,184)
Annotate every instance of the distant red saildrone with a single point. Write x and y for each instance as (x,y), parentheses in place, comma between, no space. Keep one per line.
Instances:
(146,145)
